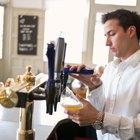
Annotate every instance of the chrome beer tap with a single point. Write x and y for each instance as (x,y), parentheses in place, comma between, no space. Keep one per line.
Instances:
(55,54)
(57,74)
(29,87)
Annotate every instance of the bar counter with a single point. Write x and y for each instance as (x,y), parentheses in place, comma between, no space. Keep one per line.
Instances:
(42,123)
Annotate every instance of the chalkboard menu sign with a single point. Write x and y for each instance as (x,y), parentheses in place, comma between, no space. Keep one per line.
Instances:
(27,34)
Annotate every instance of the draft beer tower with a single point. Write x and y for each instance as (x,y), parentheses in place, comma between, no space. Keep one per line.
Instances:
(26,88)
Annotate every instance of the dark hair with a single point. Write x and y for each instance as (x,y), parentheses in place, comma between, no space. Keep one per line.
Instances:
(126,19)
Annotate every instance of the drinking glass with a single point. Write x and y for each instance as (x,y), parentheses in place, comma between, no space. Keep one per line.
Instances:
(69,101)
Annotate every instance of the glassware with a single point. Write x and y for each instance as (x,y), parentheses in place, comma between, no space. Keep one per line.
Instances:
(79,88)
(69,101)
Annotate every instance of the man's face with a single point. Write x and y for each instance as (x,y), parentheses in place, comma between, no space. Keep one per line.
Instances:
(117,39)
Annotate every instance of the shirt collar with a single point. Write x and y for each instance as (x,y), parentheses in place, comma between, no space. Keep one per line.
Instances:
(133,60)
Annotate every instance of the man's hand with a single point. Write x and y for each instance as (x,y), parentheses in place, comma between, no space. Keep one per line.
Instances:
(92,81)
(85,116)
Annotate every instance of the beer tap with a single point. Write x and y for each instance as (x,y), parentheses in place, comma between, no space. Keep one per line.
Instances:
(29,87)
(57,74)
(55,56)
(59,70)
(50,84)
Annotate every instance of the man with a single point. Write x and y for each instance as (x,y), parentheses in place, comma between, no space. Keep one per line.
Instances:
(114,101)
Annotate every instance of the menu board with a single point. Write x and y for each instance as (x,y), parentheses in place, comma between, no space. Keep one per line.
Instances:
(27,34)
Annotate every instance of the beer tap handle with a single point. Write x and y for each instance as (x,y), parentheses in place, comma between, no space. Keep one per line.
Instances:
(82,71)
(59,66)
(59,55)
(67,71)
(63,77)
(50,85)
(51,58)
(50,96)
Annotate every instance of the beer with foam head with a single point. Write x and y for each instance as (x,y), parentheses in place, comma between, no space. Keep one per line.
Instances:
(69,101)
(73,107)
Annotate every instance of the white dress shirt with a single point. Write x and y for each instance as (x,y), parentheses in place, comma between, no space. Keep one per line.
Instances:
(119,98)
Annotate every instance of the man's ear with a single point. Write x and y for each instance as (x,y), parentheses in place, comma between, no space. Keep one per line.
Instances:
(131,31)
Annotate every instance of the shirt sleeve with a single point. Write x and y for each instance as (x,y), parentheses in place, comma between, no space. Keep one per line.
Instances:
(96,97)
(122,127)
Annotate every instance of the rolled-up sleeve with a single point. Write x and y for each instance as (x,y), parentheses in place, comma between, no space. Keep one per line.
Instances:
(96,98)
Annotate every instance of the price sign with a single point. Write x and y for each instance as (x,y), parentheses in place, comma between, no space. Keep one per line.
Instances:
(27,34)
